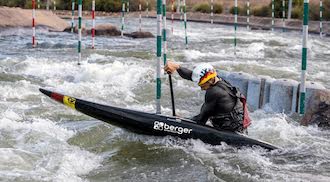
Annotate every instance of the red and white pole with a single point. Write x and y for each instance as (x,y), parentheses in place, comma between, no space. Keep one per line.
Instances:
(140,16)
(93,28)
(172,16)
(33,24)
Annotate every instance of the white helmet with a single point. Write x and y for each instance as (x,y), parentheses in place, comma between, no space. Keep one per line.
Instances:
(203,73)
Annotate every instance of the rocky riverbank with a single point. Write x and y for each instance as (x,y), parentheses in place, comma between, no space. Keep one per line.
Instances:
(17,17)
(259,23)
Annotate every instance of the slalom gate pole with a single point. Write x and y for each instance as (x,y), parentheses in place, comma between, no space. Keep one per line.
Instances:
(283,15)
(140,16)
(147,8)
(122,18)
(273,14)
(165,53)
(235,36)
(185,23)
(34,24)
(127,6)
(54,5)
(172,16)
(304,58)
(72,19)
(159,55)
(38,4)
(212,4)
(93,27)
(79,29)
(289,10)
(248,15)
(181,10)
(47,5)
(321,18)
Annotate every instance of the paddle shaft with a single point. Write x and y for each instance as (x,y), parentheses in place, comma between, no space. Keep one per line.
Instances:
(172,94)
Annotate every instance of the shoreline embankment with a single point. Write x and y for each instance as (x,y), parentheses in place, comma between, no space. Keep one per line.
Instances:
(17,17)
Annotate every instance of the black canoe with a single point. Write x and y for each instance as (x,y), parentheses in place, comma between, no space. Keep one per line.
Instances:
(155,124)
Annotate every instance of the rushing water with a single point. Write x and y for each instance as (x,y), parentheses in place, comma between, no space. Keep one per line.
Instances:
(41,140)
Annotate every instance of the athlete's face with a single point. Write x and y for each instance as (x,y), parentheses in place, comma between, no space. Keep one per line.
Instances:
(206,85)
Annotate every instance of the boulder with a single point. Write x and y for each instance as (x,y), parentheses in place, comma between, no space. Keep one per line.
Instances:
(139,35)
(75,29)
(17,17)
(319,110)
(101,29)
(106,30)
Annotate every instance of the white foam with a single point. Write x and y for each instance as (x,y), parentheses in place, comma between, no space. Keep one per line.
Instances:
(40,151)
(10,91)
(117,78)
(76,163)
(37,125)
(277,129)
(254,50)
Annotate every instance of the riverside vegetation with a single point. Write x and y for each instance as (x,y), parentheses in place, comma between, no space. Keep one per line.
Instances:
(262,10)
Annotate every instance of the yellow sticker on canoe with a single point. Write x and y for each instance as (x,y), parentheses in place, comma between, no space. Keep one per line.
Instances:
(69,101)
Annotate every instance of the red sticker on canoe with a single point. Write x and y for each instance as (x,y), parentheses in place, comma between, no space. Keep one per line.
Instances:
(57,97)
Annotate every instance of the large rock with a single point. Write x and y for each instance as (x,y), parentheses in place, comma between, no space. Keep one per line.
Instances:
(17,17)
(319,110)
(101,29)
(106,29)
(75,29)
(139,35)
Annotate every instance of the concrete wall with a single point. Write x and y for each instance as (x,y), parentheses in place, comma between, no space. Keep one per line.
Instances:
(280,95)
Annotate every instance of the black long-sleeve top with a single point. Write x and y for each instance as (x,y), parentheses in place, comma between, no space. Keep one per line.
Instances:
(217,99)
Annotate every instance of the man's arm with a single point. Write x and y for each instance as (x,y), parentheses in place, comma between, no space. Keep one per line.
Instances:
(185,73)
(206,110)
(171,67)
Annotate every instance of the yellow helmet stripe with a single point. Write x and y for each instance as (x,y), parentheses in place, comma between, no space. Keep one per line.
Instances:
(207,78)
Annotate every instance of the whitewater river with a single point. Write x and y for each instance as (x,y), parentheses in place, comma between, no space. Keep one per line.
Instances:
(41,140)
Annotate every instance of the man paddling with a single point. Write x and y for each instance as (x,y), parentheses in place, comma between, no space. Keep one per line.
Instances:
(224,105)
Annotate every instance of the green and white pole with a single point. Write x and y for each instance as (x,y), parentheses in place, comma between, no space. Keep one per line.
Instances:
(235,36)
(79,29)
(47,5)
(165,52)
(273,14)
(159,55)
(248,15)
(212,4)
(164,31)
(122,18)
(127,6)
(185,23)
(289,10)
(72,19)
(181,10)
(283,15)
(321,18)
(304,58)
(38,4)
(54,5)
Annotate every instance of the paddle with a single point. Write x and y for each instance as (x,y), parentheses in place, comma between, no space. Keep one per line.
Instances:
(172,94)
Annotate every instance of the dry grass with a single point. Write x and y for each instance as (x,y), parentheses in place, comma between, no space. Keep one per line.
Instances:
(230,3)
